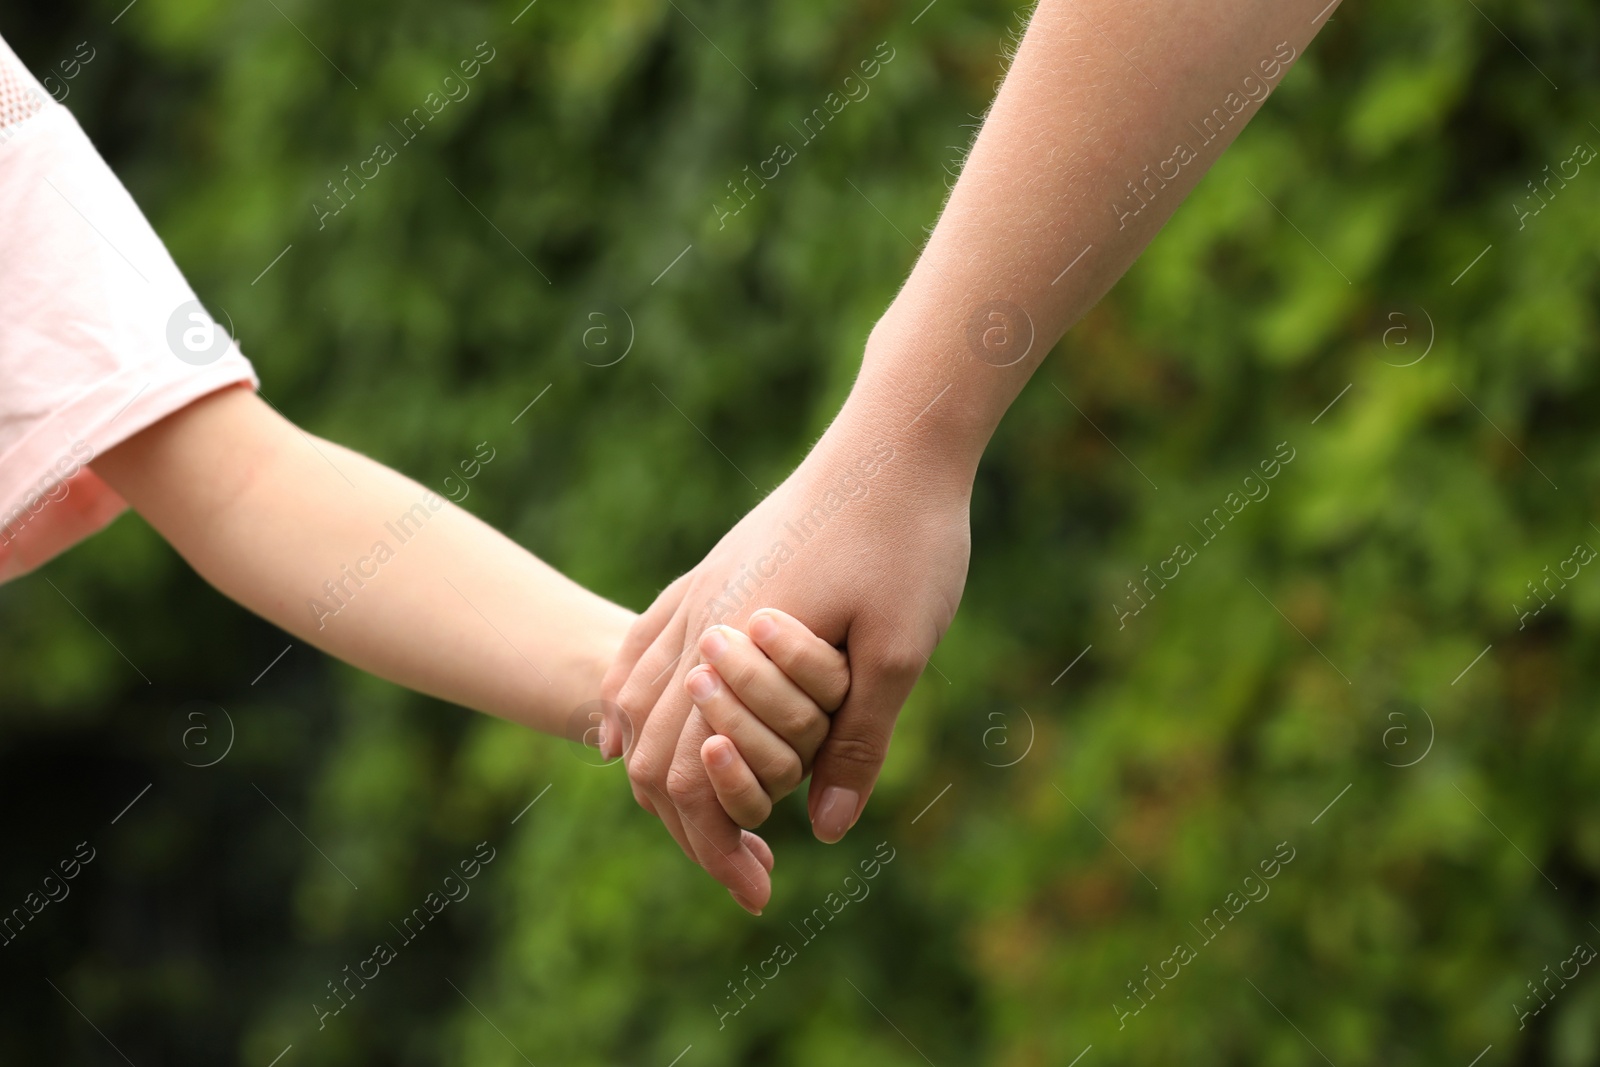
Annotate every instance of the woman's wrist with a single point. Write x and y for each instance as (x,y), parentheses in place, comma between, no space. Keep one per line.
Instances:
(919,392)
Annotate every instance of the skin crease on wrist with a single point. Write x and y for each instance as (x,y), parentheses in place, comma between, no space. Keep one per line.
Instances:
(1044,219)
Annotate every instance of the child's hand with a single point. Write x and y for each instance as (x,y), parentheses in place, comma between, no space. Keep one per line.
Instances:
(768,695)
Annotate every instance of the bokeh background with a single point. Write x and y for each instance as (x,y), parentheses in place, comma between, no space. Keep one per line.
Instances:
(1325,639)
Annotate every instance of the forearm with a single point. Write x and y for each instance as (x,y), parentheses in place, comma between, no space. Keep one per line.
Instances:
(1085,154)
(367,565)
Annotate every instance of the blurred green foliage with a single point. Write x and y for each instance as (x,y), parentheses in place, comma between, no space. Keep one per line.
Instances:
(1219,722)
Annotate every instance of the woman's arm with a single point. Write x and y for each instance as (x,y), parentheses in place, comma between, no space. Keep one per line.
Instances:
(1111,112)
(366,564)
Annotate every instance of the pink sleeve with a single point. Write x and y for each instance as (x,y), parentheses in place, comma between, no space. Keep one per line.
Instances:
(100,335)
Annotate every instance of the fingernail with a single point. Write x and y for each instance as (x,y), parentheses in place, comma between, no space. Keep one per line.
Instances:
(763,628)
(720,755)
(836,814)
(743,903)
(713,644)
(702,685)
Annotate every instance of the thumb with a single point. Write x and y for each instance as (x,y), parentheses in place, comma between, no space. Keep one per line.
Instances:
(884,668)
(641,634)
(618,733)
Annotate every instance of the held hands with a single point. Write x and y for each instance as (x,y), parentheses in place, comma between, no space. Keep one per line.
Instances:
(768,695)
(867,545)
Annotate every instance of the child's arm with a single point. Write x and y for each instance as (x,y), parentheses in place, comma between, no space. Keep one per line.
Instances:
(410,587)
(369,566)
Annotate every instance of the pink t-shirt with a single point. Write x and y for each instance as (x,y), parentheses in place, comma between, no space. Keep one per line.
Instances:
(100,335)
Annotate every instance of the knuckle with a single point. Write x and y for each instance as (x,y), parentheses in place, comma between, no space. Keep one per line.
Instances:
(902,662)
(715,711)
(682,786)
(643,773)
(813,734)
(741,673)
(857,750)
(806,737)
(632,693)
(836,688)
(787,721)
(752,809)
(782,773)
(787,649)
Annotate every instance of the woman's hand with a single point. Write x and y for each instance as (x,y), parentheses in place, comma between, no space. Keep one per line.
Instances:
(997,283)
(867,545)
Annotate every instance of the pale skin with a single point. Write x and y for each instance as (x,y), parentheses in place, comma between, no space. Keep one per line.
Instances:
(1099,91)
(268,514)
